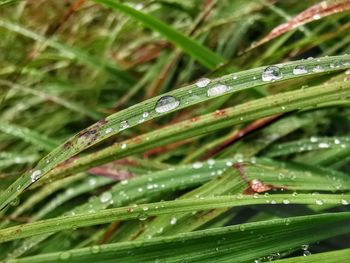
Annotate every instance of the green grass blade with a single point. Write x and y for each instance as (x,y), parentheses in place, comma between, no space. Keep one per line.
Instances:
(28,135)
(221,244)
(234,82)
(167,207)
(208,123)
(204,55)
(327,257)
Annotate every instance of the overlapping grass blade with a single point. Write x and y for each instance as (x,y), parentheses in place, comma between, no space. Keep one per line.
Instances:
(204,55)
(222,244)
(166,207)
(72,52)
(208,123)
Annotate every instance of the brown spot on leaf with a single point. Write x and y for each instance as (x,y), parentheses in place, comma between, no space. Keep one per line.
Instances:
(219,113)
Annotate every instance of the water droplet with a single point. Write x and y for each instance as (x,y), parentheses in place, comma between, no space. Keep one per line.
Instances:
(319,202)
(229,163)
(313,139)
(106,197)
(203,82)
(323,145)
(298,70)
(344,202)
(197,165)
(306,253)
(305,247)
(335,64)
(142,216)
(95,249)
(285,201)
(318,68)
(286,221)
(217,90)
(316,16)
(173,221)
(211,162)
(241,227)
(234,77)
(145,114)
(35,175)
(271,73)
(65,255)
(108,130)
(123,125)
(166,103)
(123,145)
(124,182)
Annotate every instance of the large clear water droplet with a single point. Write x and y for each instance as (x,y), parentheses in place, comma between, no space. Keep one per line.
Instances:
(106,197)
(298,70)
(217,90)
(203,82)
(35,175)
(271,73)
(166,103)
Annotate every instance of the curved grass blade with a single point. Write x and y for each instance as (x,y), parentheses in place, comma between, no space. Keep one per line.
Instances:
(161,208)
(315,12)
(204,55)
(179,99)
(148,187)
(208,123)
(219,244)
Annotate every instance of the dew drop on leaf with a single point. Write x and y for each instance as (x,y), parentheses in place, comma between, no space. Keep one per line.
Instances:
(142,216)
(319,202)
(271,73)
(123,125)
(344,202)
(217,90)
(65,255)
(318,68)
(203,82)
(298,70)
(197,165)
(106,197)
(95,249)
(323,145)
(35,175)
(166,103)
(108,130)
(173,220)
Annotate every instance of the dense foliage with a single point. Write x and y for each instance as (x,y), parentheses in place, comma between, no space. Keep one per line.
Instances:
(174,131)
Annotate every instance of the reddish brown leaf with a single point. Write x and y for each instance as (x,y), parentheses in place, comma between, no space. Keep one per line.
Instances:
(315,12)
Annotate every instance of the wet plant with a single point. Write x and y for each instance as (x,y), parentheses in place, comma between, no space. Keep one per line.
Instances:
(174,131)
